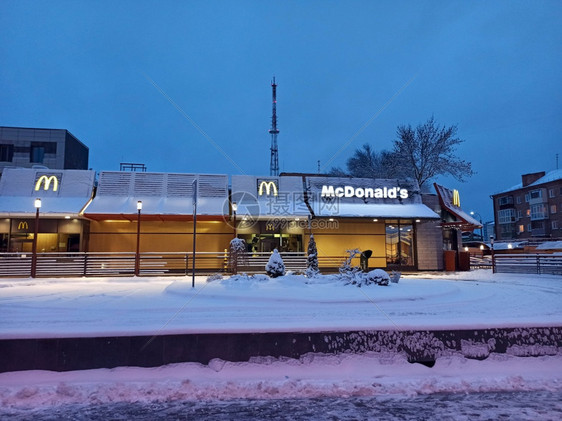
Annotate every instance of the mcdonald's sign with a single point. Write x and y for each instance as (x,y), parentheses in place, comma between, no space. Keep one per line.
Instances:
(46,181)
(269,187)
(456,198)
(23,225)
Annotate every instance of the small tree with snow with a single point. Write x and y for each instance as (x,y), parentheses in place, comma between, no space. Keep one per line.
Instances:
(237,253)
(348,273)
(312,259)
(275,266)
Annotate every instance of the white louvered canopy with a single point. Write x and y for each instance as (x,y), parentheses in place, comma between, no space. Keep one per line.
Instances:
(164,194)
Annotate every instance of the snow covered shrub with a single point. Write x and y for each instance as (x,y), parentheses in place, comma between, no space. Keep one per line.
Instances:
(377,276)
(275,266)
(237,254)
(312,259)
(349,273)
(214,277)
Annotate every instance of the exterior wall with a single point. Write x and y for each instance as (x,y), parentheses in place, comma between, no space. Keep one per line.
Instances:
(364,235)
(158,236)
(429,245)
(75,153)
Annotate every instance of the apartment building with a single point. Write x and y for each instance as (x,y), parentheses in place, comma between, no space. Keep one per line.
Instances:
(530,209)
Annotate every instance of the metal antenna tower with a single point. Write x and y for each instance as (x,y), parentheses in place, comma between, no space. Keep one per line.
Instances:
(274,163)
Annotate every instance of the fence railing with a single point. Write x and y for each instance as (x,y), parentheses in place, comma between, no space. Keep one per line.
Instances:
(528,263)
(156,264)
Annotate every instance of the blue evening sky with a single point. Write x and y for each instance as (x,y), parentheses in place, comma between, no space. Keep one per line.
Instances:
(166,82)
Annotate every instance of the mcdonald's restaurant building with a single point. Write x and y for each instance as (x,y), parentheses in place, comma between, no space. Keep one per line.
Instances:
(64,195)
(402,228)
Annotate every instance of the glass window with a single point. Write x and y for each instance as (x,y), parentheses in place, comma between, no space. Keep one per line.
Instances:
(550,192)
(538,211)
(553,209)
(554,224)
(521,228)
(519,214)
(518,200)
(527,198)
(506,216)
(36,154)
(536,194)
(400,244)
(529,227)
(6,153)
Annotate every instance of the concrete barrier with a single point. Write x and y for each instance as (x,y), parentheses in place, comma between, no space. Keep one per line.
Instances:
(424,346)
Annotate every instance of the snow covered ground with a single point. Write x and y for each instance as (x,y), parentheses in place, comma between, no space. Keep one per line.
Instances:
(116,306)
(69,307)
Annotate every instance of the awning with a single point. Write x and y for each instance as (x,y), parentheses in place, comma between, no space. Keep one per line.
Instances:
(451,203)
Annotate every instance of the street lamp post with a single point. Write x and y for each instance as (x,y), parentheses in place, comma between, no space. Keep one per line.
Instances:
(493,256)
(234,209)
(481,224)
(137,255)
(37,205)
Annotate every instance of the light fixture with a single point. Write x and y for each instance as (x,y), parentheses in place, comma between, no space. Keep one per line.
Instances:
(67,217)
(139,205)
(297,219)
(481,246)
(37,203)
(331,219)
(375,220)
(234,206)
(418,220)
(466,249)
(510,246)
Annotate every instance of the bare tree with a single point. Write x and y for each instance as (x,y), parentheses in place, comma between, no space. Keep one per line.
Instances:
(428,151)
(367,163)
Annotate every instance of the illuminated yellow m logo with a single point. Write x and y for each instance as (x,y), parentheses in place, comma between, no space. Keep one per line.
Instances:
(269,187)
(456,198)
(47,182)
(23,225)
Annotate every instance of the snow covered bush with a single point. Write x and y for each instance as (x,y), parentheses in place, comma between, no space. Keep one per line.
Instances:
(275,266)
(312,259)
(377,276)
(214,277)
(349,273)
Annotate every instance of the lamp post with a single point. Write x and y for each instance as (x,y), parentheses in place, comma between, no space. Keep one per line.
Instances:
(234,209)
(37,205)
(481,224)
(137,255)
(493,257)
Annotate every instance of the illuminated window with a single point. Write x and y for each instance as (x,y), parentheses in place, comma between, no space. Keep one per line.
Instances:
(521,228)
(553,209)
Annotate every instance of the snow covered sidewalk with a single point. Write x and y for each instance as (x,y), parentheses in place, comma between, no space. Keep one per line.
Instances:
(74,307)
(310,376)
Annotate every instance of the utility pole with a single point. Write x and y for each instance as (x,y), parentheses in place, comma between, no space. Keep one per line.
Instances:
(274,162)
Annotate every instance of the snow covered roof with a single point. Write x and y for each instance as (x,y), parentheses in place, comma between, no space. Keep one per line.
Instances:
(463,220)
(162,194)
(550,245)
(553,175)
(62,192)
(300,196)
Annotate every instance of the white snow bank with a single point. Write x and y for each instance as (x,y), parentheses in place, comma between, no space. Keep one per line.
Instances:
(311,376)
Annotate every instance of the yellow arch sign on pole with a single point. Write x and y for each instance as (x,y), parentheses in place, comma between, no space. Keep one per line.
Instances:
(47,180)
(456,198)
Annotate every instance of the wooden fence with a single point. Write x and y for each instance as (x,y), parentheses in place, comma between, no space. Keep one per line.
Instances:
(528,263)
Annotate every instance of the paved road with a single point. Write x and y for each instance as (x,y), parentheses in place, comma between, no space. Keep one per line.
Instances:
(534,406)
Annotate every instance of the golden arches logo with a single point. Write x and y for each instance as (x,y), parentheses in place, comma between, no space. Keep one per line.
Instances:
(23,225)
(456,198)
(269,187)
(47,180)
